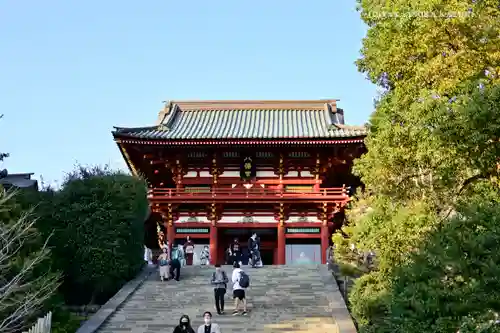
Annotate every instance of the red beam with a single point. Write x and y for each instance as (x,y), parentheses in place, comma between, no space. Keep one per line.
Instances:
(224,225)
(253,200)
(157,192)
(194,236)
(192,225)
(246,200)
(301,236)
(264,181)
(303,224)
(252,195)
(247,225)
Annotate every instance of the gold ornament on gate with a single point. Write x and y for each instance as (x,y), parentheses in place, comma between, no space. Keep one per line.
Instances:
(247,168)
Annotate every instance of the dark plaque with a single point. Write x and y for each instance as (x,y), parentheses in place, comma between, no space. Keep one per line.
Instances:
(248,170)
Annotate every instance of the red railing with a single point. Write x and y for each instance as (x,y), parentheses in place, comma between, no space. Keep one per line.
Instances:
(227,193)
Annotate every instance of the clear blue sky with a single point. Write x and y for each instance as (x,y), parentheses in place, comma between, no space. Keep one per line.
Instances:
(71,70)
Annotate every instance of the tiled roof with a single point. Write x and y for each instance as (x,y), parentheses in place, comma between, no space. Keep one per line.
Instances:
(20,180)
(246,120)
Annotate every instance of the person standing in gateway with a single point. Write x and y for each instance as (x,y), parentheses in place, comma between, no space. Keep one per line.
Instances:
(163,263)
(236,251)
(189,251)
(254,249)
(175,264)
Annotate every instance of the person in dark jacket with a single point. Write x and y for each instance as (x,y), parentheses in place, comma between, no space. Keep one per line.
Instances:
(184,325)
(254,249)
(236,251)
(175,269)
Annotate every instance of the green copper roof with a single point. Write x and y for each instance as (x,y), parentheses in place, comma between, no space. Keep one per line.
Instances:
(177,124)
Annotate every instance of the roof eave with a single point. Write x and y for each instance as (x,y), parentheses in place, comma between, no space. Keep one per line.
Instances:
(209,141)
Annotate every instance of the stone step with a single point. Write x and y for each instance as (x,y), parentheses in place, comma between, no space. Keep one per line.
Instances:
(280,299)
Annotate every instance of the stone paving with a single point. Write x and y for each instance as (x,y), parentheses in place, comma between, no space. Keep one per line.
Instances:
(280,299)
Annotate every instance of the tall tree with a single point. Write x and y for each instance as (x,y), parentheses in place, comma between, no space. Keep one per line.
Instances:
(439,64)
(422,61)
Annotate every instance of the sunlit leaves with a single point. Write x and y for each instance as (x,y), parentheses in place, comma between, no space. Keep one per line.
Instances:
(433,142)
(455,276)
(433,44)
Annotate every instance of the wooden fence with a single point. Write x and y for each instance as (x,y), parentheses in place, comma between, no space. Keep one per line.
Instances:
(43,325)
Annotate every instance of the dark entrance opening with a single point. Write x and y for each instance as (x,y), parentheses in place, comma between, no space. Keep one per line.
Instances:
(267,256)
(267,237)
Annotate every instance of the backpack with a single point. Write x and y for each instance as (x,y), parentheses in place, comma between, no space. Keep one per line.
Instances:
(244,280)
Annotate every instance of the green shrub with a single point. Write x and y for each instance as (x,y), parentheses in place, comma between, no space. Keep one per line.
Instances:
(98,222)
(64,321)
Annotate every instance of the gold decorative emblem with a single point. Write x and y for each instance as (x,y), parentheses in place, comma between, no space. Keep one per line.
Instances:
(248,169)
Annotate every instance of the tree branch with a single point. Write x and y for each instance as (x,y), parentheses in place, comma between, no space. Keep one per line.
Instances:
(469,181)
(22,293)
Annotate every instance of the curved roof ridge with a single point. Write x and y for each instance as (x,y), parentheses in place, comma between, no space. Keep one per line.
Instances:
(256,104)
(352,127)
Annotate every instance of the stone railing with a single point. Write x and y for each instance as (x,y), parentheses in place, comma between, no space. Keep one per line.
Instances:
(43,325)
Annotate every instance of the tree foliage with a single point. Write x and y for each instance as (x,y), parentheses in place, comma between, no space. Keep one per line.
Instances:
(434,140)
(428,65)
(26,280)
(429,45)
(453,281)
(97,218)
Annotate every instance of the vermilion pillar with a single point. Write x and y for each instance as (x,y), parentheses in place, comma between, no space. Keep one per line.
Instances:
(169,223)
(213,244)
(170,235)
(325,242)
(281,253)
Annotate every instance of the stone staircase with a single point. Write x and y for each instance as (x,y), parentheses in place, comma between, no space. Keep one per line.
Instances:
(280,299)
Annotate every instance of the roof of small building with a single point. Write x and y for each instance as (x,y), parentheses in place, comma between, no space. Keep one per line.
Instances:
(20,180)
(184,120)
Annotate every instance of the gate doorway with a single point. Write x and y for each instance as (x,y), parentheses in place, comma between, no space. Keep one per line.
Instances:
(267,237)
(267,256)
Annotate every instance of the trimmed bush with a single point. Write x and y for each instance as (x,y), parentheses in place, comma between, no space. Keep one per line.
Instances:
(97,218)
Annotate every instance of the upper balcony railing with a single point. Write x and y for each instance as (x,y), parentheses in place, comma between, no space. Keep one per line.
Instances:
(254,193)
